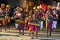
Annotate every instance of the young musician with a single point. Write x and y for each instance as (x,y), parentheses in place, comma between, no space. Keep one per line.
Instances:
(2,15)
(32,25)
(41,20)
(55,18)
(48,22)
(7,17)
(19,22)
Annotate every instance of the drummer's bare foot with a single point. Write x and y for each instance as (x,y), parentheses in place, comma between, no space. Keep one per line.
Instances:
(19,33)
(36,37)
(0,30)
(29,34)
(5,29)
(22,33)
(32,38)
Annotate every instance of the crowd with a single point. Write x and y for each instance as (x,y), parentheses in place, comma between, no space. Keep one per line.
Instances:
(33,19)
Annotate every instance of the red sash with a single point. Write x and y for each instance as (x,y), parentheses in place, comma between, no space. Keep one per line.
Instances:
(6,21)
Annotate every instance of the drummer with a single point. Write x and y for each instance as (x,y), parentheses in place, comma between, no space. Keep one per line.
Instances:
(8,10)
(2,14)
(7,16)
(55,19)
(2,11)
(20,26)
(33,27)
(49,21)
(42,19)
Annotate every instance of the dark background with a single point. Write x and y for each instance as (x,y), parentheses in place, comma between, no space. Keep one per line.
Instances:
(15,3)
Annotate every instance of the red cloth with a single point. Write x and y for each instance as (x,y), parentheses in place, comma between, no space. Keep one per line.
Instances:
(17,15)
(26,21)
(1,22)
(34,16)
(32,28)
(44,7)
(54,15)
(6,21)
(21,27)
(42,15)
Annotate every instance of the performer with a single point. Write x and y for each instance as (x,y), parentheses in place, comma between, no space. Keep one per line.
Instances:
(7,21)
(7,17)
(2,15)
(49,22)
(33,27)
(29,28)
(20,24)
(42,15)
(26,22)
(55,18)
(8,10)
(16,16)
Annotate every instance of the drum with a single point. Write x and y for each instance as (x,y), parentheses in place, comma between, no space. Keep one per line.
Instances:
(7,21)
(1,22)
(21,24)
(33,26)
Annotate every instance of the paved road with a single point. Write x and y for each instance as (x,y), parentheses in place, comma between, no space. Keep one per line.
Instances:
(13,35)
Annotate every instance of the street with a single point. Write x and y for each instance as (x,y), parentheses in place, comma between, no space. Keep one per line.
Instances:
(12,34)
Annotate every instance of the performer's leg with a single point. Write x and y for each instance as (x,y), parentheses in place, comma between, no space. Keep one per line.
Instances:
(22,28)
(16,25)
(19,32)
(1,28)
(46,23)
(5,27)
(32,34)
(19,29)
(23,32)
(52,25)
(29,33)
(50,31)
(41,25)
(37,31)
(55,24)
(29,30)
(1,25)
(47,31)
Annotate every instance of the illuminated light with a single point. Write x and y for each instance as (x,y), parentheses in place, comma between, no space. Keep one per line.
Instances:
(38,7)
(30,3)
(58,3)
(2,4)
(34,7)
(36,10)
(20,9)
(7,5)
(25,1)
(49,6)
(26,6)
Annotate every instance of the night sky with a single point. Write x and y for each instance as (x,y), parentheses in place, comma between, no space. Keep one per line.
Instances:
(44,1)
(3,1)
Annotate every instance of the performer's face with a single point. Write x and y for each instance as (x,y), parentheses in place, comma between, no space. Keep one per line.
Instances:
(16,11)
(2,6)
(48,13)
(6,15)
(8,7)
